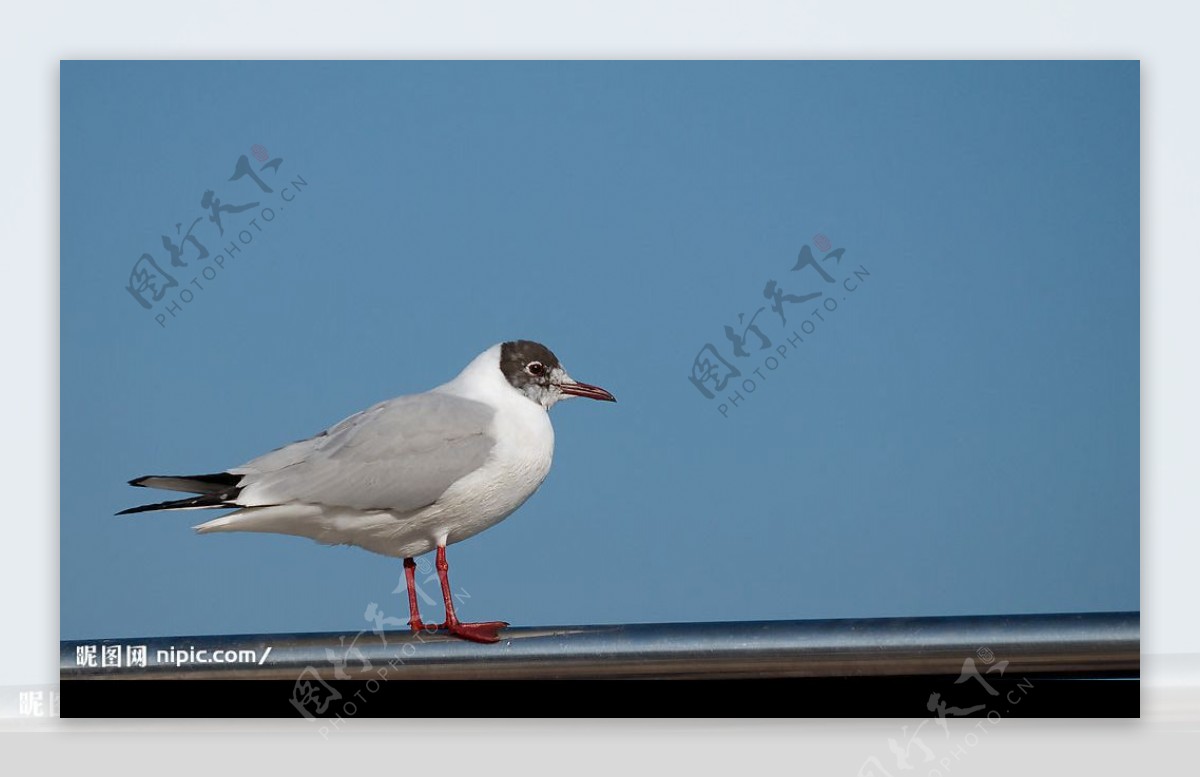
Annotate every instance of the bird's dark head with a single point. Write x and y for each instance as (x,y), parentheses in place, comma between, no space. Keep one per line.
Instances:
(533,370)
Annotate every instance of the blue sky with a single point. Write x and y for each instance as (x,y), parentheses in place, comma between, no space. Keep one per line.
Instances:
(958,435)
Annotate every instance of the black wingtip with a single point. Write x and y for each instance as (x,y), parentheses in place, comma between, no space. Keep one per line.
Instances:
(200,501)
(158,506)
(205,483)
(138,509)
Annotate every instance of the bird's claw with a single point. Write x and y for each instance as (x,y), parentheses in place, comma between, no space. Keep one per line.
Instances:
(478,632)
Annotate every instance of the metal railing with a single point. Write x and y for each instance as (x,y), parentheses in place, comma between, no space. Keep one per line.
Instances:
(1066,643)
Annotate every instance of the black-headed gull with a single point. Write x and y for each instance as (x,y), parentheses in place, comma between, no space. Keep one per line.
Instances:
(407,476)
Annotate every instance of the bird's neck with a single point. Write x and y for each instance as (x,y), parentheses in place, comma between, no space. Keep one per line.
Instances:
(483,380)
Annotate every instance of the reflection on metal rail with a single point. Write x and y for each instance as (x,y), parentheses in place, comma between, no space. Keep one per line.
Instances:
(1067,643)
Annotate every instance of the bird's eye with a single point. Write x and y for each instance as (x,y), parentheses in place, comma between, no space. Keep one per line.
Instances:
(535,368)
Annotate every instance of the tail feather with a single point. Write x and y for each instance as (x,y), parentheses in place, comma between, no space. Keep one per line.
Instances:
(214,490)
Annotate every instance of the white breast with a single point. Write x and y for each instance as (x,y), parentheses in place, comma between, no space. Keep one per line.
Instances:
(517,466)
(518,463)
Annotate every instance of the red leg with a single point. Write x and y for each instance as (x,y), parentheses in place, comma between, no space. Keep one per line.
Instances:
(480,632)
(414,610)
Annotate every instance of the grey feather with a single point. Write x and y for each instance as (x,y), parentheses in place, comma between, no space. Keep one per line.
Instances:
(399,455)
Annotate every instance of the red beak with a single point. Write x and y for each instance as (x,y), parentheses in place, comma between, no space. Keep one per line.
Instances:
(587,390)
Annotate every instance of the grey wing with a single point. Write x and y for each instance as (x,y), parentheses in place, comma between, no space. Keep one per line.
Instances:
(400,455)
